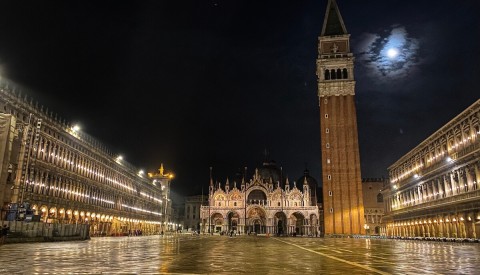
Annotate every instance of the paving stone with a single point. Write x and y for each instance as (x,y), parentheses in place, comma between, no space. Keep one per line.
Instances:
(239,255)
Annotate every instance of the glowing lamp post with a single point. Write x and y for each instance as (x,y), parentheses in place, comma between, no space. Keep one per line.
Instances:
(164,179)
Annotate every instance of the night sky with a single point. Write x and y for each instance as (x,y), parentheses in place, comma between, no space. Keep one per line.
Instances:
(194,84)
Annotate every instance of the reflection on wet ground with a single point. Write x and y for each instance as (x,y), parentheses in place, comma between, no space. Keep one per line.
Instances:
(242,254)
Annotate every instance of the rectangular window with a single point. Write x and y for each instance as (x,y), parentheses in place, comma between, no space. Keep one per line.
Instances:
(327,145)
(329,177)
(326,115)
(193,217)
(331,210)
(328,161)
(327,130)
(330,193)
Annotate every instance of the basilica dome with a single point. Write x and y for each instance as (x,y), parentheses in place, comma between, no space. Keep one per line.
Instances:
(269,170)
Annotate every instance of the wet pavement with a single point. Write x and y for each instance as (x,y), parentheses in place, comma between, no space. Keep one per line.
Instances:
(241,254)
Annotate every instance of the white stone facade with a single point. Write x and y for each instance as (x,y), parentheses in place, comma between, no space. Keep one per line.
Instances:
(260,206)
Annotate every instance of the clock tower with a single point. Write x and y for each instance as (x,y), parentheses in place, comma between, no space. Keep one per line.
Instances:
(342,184)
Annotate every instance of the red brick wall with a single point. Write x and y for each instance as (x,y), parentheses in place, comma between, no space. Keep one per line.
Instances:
(344,167)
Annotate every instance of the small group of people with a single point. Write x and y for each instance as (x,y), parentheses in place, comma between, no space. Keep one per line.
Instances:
(4,234)
(135,232)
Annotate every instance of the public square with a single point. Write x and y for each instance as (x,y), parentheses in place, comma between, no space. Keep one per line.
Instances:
(186,254)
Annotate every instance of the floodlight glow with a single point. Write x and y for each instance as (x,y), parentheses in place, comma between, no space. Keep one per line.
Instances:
(76,128)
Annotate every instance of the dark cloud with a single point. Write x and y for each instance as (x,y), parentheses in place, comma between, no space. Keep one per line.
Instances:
(389,55)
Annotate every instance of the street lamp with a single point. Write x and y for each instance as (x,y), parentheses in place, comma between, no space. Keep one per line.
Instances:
(367,229)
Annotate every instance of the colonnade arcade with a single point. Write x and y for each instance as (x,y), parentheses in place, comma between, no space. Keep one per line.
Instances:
(261,221)
(462,180)
(461,225)
(434,189)
(100,224)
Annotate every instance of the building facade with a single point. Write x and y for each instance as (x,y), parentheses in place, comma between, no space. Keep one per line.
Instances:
(266,204)
(342,184)
(373,204)
(191,217)
(54,173)
(434,189)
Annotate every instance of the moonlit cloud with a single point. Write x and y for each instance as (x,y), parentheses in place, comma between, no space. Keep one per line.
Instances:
(389,55)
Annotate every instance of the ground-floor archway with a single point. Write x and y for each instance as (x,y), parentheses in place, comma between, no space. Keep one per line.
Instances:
(256,221)
(297,224)
(233,220)
(280,220)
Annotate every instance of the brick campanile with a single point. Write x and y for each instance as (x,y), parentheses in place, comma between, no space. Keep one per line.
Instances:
(342,184)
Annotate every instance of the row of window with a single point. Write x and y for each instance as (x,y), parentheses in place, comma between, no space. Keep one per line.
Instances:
(68,159)
(327,145)
(51,185)
(67,190)
(336,74)
(437,151)
(50,152)
(444,186)
(194,211)
(65,138)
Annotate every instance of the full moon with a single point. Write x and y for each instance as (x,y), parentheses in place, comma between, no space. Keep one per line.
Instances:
(392,53)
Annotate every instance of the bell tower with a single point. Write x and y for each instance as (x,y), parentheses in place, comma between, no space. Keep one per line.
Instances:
(342,184)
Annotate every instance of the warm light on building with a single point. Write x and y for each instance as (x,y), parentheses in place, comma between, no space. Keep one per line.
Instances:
(451,193)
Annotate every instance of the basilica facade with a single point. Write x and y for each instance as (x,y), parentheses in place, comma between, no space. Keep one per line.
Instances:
(265,204)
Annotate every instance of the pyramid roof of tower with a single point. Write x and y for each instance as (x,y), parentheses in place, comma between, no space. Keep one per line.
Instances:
(333,22)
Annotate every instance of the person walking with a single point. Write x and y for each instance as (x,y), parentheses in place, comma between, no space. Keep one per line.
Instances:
(3,234)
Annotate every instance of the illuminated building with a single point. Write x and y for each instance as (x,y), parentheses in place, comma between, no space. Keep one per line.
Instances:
(373,204)
(55,173)
(266,204)
(342,184)
(434,189)
(191,218)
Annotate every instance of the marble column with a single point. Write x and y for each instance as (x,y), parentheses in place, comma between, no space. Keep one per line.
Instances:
(454,229)
(473,218)
(447,227)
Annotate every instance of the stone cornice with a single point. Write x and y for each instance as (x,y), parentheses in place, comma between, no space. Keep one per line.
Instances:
(336,88)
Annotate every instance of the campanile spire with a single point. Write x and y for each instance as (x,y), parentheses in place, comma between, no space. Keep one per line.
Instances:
(333,22)
(342,185)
